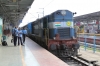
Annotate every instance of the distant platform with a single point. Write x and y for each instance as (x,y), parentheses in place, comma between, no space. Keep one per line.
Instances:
(91,34)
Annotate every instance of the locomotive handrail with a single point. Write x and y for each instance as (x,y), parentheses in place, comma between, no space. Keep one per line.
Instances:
(46,35)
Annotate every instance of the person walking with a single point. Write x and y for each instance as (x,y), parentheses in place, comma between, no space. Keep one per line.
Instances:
(20,37)
(24,35)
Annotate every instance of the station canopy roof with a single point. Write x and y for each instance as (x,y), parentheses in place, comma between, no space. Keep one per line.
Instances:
(14,10)
(87,17)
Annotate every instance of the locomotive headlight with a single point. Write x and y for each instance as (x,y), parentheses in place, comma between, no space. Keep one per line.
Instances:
(54,38)
(63,12)
(73,37)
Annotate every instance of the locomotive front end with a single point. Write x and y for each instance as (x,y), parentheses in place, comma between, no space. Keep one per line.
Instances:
(62,34)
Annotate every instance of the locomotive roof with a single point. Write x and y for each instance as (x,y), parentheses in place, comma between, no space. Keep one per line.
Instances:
(49,15)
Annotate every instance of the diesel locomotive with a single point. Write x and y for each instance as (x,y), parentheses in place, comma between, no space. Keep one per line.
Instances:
(55,32)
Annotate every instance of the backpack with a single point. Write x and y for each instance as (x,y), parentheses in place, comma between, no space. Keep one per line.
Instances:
(14,32)
(4,43)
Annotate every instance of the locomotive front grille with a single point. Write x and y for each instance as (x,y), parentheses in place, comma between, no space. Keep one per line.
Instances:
(64,33)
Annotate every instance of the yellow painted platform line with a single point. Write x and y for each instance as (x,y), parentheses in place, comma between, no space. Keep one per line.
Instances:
(91,34)
(22,56)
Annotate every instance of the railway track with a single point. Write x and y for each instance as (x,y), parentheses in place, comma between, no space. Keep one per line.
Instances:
(78,61)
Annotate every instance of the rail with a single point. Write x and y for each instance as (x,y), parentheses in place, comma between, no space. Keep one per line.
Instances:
(78,61)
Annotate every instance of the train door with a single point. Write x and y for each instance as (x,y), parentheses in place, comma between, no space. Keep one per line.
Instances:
(45,29)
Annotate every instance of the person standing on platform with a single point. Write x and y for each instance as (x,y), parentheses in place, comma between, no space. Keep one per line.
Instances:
(24,35)
(20,37)
(12,35)
(15,31)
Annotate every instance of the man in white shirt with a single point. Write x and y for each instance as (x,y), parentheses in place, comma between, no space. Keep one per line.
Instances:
(20,36)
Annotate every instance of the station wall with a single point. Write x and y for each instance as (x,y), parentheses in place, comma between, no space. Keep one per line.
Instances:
(1,27)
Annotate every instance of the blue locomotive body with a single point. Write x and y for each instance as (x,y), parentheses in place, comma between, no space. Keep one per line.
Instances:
(61,24)
(29,27)
(56,32)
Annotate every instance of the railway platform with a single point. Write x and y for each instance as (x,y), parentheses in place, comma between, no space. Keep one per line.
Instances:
(90,55)
(29,55)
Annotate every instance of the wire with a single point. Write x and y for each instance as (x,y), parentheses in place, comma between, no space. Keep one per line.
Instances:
(42,2)
(49,3)
(32,14)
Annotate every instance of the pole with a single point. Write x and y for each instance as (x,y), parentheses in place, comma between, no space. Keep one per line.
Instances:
(38,16)
(85,42)
(43,11)
(94,46)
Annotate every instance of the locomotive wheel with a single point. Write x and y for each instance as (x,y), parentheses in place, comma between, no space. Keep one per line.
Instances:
(63,53)
(42,43)
(75,52)
(53,47)
(75,49)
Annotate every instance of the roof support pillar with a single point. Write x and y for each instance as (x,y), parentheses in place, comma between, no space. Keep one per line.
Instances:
(97,22)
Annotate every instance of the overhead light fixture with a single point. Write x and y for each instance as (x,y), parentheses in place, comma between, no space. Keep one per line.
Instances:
(14,0)
(14,10)
(11,5)
(28,6)
(12,16)
(14,13)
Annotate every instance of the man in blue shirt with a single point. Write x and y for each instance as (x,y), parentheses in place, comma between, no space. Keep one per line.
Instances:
(15,34)
(24,34)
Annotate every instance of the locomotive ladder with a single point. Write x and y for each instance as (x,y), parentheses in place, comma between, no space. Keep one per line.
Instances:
(46,35)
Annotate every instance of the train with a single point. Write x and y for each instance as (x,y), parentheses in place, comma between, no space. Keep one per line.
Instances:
(55,32)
